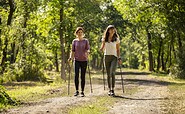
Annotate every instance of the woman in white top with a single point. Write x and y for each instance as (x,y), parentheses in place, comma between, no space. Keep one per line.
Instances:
(111,47)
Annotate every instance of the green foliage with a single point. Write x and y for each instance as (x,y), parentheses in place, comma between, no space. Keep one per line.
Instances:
(33,37)
(13,73)
(32,74)
(5,99)
(178,70)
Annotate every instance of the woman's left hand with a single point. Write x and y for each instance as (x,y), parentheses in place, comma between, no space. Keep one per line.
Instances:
(119,61)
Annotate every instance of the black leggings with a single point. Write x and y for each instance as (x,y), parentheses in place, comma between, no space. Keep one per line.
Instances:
(83,66)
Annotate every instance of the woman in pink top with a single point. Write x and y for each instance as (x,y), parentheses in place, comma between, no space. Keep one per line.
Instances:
(79,53)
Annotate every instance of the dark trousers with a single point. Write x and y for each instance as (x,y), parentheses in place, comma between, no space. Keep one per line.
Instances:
(80,65)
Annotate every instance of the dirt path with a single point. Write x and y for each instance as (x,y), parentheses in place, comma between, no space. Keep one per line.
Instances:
(58,105)
(148,100)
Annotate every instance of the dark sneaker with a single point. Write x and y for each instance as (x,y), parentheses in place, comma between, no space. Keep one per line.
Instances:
(110,92)
(82,94)
(76,93)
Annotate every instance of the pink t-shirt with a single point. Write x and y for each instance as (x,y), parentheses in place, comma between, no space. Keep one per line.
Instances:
(80,47)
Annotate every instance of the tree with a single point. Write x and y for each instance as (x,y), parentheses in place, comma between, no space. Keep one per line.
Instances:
(62,41)
(9,20)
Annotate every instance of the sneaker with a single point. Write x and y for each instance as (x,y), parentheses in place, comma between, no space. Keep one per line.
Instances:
(76,93)
(110,92)
(82,94)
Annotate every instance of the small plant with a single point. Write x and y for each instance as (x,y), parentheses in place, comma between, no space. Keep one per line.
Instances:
(5,99)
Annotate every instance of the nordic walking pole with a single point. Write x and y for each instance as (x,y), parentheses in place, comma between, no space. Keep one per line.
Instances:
(90,77)
(121,79)
(102,50)
(69,69)
(103,76)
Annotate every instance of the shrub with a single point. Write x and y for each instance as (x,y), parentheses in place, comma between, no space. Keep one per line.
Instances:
(5,99)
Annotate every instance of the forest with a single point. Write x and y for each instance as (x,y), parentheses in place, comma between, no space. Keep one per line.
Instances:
(36,35)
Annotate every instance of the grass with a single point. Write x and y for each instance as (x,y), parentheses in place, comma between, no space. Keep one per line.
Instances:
(176,98)
(31,94)
(99,106)
(176,102)
(26,94)
(29,91)
(35,93)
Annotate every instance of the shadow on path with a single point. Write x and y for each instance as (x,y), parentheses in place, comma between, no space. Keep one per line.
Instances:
(130,98)
(148,82)
(139,81)
(132,73)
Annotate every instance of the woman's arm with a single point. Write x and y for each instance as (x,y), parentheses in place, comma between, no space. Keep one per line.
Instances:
(118,50)
(71,57)
(102,46)
(118,53)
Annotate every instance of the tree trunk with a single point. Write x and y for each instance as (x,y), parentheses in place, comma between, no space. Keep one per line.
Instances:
(0,35)
(0,28)
(4,56)
(13,53)
(143,62)
(170,51)
(159,55)
(173,46)
(179,42)
(162,61)
(56,60)
(63,75)
(23,45)
(150,52)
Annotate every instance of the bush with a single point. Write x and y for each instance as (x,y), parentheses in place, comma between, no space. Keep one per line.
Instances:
(5,99)
(32,74)
(26,73)
(178,70)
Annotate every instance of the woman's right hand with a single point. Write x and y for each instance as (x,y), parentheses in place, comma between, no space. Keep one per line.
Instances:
(101,49)
(69,59)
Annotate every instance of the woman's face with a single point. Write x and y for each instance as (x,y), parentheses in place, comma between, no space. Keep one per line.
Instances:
(79,33)
(111,31)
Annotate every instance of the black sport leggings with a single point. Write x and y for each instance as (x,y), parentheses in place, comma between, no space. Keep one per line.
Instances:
(83,66)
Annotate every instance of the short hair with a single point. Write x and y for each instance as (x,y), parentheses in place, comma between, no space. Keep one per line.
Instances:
(78,28)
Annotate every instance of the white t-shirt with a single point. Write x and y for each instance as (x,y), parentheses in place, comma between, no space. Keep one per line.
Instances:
(110,47)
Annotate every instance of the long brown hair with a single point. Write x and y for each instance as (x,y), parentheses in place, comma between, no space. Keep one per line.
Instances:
(106,34)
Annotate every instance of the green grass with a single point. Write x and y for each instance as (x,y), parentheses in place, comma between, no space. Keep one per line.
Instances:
(100,105)
(175,104)
(25,92)
(32,93)
(28,93)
